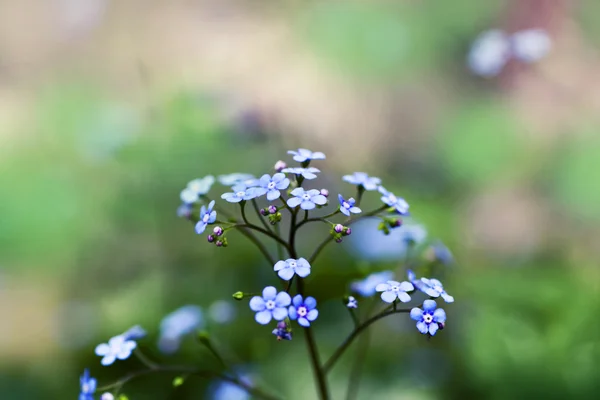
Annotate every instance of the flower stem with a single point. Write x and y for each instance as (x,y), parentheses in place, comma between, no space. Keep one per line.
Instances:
(359,361)
(259,215)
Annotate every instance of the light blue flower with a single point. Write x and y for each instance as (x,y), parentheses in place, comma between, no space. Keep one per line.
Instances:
(241,191)
(306,199)
(196,188)
(347,206)
(221,312)
(363,179)
(441,253)
(225,390)
(303,155)
(429,317)
(352,303)
(286,269)
(118,347)
(271,305)
(272,185)
(87,386)
(207,216)
(391,200)
(135,333)
(366,287)
(304,310)
(431,287)
(178,324)
(392,290)
(235,178)
(307,173)
(188,196)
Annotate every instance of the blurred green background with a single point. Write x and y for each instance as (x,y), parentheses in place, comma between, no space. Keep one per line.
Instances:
(108,108)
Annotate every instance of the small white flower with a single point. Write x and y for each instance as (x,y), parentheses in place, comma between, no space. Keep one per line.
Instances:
(393,290)
(117,347)
(107,396)
(352,303)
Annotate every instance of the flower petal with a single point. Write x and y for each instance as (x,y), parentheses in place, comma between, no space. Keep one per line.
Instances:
(433,327)
(108,360)
(404,297)
(355,210)
(388,296)
(304,322)
(286,274)
(282,299)
(307,205)
(312,314)
(292,312)
(345,211)
(213,217)
(263,317)
(279,265)
(429,305)
(422,327)
(310,302)
(269,293)
(294,201)
(447,298)
(303,272)
(439,315)
(273,194)
(200,227)
(280,313)
(298,192)
(406,286)
(416,314)
(257,303)
(102,349)
(382,287)
(123,353)
(297,301)
(319,199)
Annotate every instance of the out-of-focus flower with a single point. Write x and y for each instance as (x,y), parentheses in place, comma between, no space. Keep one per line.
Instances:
(118,347)
(272,185)
(303,310)
(87,386)
(184,211)
(307,173)
(235,178)
(135,333)
(441,253)
(280,165)
(364,180)
(429,318)
(352,303)
(207,216)
(530,45)
(306,199)
(107,396)
(221,312)
(347,206)
(176,325)
(241,191)
(303,155)
(224,390)
(201,186)
(489,53)
(392,290)
(366,287)
(271,305)
(286,269)
(431,287)
(390,199)
(188,196)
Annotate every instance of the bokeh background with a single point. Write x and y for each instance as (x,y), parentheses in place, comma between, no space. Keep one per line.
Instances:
(108,108)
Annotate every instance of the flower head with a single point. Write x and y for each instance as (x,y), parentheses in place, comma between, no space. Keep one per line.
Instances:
(207,216)
(304,310)
(87,386)
(431,287)
(271,305)
(272,185)
(235,178)
(118,347)
(306,199)
(363,180)
(352,303)
(197,188)
(176,325)
(429,317)
(393,290)
(282,332)
(391,200)
(286,269)
(107,396)
(347,206)
(489,53)
(303,155)
(241,191)
(366,287)
(307,173)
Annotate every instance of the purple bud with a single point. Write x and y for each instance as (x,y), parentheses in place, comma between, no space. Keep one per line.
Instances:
(263,212)
(210,238)
(184,211)
(348,231)
(218,230)
(338,240)
(280,165)
(219,243)
(281,325)
(272,209)
(397,223)
(325,192)
(339,228)
(441,325)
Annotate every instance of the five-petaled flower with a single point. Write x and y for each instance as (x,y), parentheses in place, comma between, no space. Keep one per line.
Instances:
(87,386)
(352,303)
(241,191)
(304,310)
(286,269)
(393,290)
(272,185)
(363,180)
(307,173)
(431,287)
(366,287)
(196,188)
(117,347)
(207,216)
(235,178)
(303,155)
(429,317)
(391,200)
(271,305)
(347,206)
(306,199)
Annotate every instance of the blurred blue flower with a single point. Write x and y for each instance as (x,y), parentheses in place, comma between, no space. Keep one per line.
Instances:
(201,186)
(224,390)
(118,347)
(272,185)
(392,290)
(431,287)
(303,310)
(366,287)
(221,312)
(184,211)
(135,333)
(441,253)
(107,396)
(306,199)
(363,179)
(176,325)
(391,200)
(352,303)
(241,191)
(270,305)
(286,269)
(303,155)
(235,178)
(282,332)
(87,386)
(530,45)
(489,53)
(307,173)
(429,317)
(207,216)
(347,207)
(188,196)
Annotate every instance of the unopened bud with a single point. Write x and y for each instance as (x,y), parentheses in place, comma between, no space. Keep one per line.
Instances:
(203,337)
(339,228)
(338,240)
(210,238)
(280,165)
(325,192)
(263,212)
(238,295)
(219,243)
(348,231)
(218,230)
(272,209)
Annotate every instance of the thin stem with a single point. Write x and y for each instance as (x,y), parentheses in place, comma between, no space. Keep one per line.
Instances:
(258,244)
(209,345)
(320,248)
(144,360)
(279,246)
(259,215)
(261,230)
(354,334)
(359,361)
(316,363)
(353,316)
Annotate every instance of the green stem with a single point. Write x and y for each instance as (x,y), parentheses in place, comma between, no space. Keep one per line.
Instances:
(279,246)
(259,215)
(261,247)
(356,372)
(144,360)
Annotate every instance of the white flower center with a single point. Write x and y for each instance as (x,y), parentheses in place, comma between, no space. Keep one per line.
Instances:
(85,388)
(271,185)
(395,288)
(306,197)
(205,218)
(427,318)
(270,304)
(346,205)
(302,311)
(292,264)
(240,194)
(393,198)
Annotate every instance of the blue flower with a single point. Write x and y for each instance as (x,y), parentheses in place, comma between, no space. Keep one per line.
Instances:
(225,390)
(235,178)
(286,269)
(272,185)
(429,317)
(391,200)
(431,287)
(207,216)
(241,191)
(270,305)
(176,325)
(393,290)
(135,333)
(366,287)
(87,386)
(304,310)
(352,303)
(347,207)
(188,196)
(306,199)
(196,188)
(118,347)
(363,179)
(282,331)
(107,396)
(307,173)
(303,155)
(441,253)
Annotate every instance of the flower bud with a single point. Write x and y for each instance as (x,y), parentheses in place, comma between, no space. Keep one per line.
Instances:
(218,231)
(272,209)
(263,212)
(325,192)
(281,325)
(347,231)
(338,240)
(280,165)
(396,223)
(339,228)
(238,295)
(210,238)
(219,243)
